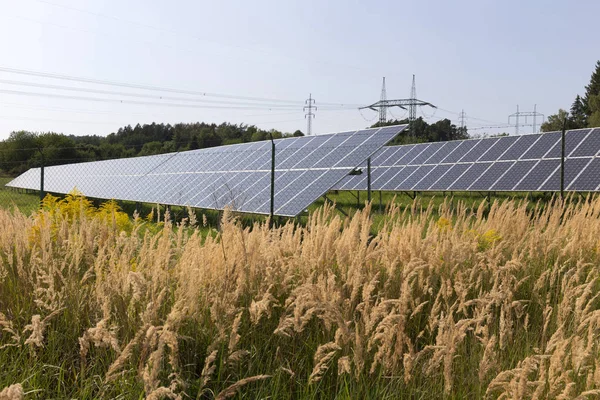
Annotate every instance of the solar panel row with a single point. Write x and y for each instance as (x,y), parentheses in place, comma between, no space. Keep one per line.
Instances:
(511,163)
(237,176)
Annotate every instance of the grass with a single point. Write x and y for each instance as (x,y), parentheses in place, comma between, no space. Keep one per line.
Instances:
(10,198)
(444,301)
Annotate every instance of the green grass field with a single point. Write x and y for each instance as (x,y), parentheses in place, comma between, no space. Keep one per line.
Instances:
(347,203)
(10,198)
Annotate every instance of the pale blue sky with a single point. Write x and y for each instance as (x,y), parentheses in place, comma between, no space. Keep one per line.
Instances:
(481,56)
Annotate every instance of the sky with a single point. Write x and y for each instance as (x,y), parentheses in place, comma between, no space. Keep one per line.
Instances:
(256,62)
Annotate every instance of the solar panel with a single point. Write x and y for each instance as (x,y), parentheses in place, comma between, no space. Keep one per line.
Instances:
(501,146)
(452,174)
(590,146)
(479,148)
(463,148)
(434,174)
(448,148)
(469,176)
(513,175)
(428,152)
(237,176)
(587,181)
(511,163)
(491,175)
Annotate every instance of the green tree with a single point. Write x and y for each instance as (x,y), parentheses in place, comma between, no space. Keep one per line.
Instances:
(151,148)
(555,122)
(578,117)
(259,135)
(594,104)
(298,133)
(593,89)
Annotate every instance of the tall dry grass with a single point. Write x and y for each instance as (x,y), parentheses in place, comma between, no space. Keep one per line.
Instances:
(447,302)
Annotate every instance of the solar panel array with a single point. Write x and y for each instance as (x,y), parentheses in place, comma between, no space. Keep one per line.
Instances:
(236,176)
(511,163)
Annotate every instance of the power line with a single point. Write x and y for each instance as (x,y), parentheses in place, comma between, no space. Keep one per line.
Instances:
(135,102)
(153,88)
(497,127)
(127,94)
(59,120)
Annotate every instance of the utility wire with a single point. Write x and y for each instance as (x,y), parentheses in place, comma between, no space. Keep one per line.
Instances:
(155,88)
(126,94)
(136,102)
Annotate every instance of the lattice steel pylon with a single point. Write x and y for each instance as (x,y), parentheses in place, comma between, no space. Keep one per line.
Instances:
(383,110)
(525,114)
(461,119)
(309,114)
(412,108)
(412,103)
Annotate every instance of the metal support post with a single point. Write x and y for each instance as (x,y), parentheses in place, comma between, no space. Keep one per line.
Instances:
(369,179)
(42,192)
(562,160)
(272,207)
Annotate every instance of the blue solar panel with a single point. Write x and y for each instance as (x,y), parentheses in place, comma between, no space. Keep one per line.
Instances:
(415,177)
(401,175)
(463,148)
(514,175)
(454,171)
(573,167)
(588,181)
(590,146)
(427,153)
(499,148)
(491,175)
(523,144)
(236,176)
(542,146)
(480,147)
(448,148)
(413,151)
(470,175)
(539,174)
(436,173)
(572,140)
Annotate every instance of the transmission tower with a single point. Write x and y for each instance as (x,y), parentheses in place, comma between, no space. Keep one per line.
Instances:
(383,110)
(412,103)
(412,108)
(525,114)
(309,115)
(462,118)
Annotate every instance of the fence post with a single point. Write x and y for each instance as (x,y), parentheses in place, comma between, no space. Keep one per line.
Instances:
(272,206)
(42,193)
(369,179)
(562,160)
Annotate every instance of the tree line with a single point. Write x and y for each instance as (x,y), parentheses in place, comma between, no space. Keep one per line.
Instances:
(420,131)
(23,149)
(584,111)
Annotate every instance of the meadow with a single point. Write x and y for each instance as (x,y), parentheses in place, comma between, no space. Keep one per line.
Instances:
(432,299)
